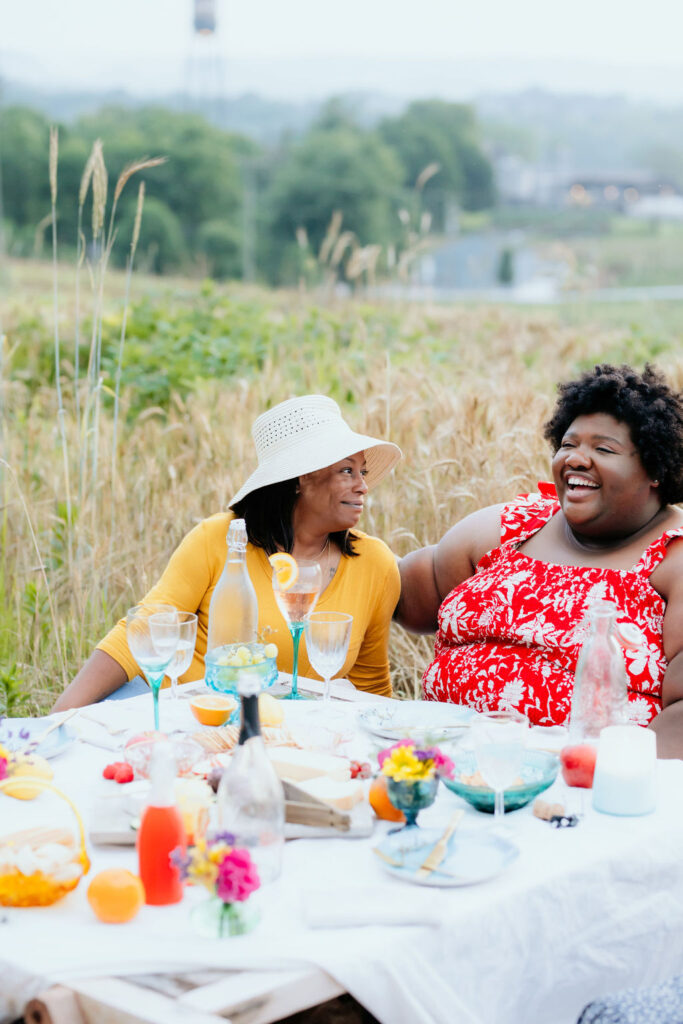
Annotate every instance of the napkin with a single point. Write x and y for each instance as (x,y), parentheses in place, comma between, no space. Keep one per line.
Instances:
(97,733)
(358,906)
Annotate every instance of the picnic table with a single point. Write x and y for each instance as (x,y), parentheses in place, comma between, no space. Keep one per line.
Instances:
(582,912)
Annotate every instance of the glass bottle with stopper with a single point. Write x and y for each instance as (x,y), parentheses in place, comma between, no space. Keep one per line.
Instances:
(251,801)
(233,612)
(161,831)
(599,695)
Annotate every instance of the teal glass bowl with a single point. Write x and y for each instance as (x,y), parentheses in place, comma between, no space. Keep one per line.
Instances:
(221,673)
(539,771)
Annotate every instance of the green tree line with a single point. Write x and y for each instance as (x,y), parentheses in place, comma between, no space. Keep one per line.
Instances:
(224,206)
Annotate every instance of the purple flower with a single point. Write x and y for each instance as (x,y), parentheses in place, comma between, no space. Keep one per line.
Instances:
(222,837)
(237,877)
(181,860)
(24,734)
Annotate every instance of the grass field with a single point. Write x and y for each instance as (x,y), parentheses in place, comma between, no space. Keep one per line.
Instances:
(463,390)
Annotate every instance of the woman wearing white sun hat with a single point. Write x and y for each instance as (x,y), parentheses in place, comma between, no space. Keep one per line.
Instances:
(305,497)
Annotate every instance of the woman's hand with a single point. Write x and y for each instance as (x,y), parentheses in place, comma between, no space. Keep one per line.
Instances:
(429,574)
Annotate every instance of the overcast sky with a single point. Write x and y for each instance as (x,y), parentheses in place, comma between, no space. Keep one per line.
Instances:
(295,47)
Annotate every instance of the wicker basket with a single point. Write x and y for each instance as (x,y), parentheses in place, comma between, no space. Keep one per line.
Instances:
(39,889)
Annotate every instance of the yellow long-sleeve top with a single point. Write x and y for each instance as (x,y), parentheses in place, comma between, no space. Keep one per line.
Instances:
(366,586)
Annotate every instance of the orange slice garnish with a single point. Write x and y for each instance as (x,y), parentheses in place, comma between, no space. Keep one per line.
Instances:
(212,708)
(285,568)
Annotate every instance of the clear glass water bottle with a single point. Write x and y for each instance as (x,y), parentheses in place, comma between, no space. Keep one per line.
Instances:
(251,800)
(600,692)
(233,612)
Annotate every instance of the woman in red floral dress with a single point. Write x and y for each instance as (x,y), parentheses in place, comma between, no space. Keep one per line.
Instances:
(509,586)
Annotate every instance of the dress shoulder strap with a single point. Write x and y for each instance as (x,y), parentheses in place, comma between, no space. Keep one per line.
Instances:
(655,553)
(527,513)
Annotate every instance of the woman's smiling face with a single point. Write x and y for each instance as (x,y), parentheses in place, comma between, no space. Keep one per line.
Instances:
(334,496)
(602,485)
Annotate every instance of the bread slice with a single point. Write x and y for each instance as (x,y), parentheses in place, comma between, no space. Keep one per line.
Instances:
(298,765)
(342,795)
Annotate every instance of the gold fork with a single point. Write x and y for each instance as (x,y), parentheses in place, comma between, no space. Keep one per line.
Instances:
(438,851)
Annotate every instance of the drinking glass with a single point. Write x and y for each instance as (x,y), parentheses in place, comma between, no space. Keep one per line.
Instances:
(152,634)
(295,603)
(499,744)
(327,643)
(182,659)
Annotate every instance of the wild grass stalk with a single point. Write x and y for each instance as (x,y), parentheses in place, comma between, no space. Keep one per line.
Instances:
(54,154)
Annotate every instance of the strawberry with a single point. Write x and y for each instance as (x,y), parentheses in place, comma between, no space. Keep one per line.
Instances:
(109,771)
(578,765)
(360,770)
(124,773)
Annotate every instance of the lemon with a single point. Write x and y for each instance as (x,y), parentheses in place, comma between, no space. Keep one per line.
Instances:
(270,710)
(26,766)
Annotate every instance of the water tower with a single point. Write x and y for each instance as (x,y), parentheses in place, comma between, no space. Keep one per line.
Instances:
(204,72)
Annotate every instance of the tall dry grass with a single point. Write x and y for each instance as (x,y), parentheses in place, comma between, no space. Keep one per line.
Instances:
(464,393)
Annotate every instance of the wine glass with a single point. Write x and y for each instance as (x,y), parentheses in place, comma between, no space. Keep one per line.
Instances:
(499,744)
(152,634)
(327,643)
(182,659)
(295,602)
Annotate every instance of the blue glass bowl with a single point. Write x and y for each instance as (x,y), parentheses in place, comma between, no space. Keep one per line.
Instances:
(220,675)
(539,771)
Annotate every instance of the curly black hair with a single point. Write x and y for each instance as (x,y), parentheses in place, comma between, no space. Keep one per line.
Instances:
(649,407)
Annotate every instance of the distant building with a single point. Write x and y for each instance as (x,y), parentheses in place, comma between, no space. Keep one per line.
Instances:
(556,185)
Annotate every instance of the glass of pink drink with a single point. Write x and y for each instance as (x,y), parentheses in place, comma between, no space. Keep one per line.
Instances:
(295,603)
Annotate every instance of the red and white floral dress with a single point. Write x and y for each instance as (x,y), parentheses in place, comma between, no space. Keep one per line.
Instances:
(510,636)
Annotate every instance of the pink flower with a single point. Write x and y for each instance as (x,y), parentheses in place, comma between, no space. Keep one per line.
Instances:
(237,877)
(3,768)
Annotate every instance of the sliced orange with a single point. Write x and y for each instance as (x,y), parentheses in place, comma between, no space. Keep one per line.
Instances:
(285,568)
(212,708)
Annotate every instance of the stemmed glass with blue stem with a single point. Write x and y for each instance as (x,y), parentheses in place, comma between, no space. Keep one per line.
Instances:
(296,600)
(152,631)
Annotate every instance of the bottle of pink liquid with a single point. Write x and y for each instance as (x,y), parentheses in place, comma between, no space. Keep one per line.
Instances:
(161,832)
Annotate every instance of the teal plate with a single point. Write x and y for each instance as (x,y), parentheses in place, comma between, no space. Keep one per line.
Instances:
(539,771)
(25,733)
(472,857)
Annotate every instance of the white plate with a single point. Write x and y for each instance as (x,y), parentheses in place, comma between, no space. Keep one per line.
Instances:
(20,733)
(472,857)
(415,719)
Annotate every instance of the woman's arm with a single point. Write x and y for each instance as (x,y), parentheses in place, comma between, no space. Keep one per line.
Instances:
(668,725)
(191,571)
(99,677)
(429,574)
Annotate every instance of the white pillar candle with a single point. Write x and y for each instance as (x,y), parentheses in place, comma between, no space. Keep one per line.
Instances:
(625,780)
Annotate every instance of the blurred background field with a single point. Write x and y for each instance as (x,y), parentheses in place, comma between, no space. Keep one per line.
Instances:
(428,218)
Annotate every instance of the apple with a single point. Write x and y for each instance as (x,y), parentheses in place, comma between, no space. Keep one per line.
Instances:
(578,764)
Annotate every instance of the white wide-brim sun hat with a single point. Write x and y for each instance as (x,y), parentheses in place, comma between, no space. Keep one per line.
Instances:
(304,434)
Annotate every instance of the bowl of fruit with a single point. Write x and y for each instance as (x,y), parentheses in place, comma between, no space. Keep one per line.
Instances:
(225,664)
(538,772)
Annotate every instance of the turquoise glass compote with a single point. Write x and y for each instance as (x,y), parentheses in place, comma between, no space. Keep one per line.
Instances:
(412,796)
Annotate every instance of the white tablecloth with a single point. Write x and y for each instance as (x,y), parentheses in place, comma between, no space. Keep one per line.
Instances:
(581,912)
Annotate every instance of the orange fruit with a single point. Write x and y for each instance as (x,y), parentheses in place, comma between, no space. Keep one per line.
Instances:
(380,802)
(212,708)
(285,569)
(116,895)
